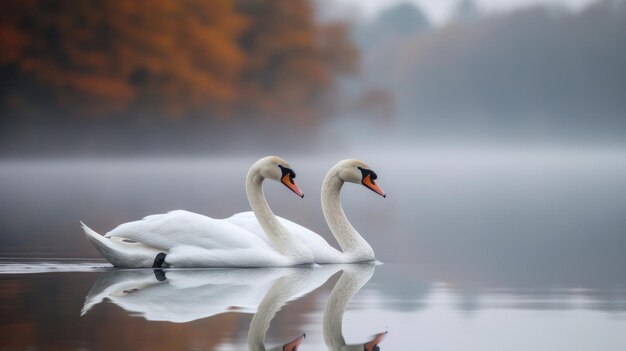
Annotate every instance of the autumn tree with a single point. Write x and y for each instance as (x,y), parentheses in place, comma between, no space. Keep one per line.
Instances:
(170,58)
(292,61)
(109,55)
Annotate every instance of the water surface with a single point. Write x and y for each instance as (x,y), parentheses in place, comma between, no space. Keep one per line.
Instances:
(215,309)
(481,249)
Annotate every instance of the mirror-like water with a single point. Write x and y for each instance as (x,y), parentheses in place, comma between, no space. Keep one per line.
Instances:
(240,309)
(486,250)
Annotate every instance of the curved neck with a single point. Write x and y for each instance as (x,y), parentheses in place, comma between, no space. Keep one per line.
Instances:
(351,242)
(275,231)
(351,281)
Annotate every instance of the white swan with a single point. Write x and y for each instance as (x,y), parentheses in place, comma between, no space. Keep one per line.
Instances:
(186,239)
(355,248)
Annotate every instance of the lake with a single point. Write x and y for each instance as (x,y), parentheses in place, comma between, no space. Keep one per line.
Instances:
(484,249)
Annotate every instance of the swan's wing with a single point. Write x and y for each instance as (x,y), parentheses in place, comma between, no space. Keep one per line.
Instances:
(323,252)
(177,228)
(261,255)
(247,220)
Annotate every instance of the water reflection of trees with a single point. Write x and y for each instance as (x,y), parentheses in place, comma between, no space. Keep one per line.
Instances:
(411,287)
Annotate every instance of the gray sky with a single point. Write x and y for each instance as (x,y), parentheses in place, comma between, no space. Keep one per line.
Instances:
(438,10)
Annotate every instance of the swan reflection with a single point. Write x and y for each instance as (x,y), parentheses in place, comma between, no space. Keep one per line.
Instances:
(181,296)
(281,292)
(351,281)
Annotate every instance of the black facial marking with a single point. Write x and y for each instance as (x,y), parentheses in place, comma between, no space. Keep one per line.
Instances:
(366,172)
(286,171)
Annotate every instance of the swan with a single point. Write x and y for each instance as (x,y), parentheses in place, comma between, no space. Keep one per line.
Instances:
(354,247)
(186,239)
(351,281)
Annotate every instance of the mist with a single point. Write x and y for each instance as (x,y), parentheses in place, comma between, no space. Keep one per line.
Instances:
(495,129)
(534,75)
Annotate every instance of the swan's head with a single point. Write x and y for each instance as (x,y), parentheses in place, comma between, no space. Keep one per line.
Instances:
(355,171)
(277,169)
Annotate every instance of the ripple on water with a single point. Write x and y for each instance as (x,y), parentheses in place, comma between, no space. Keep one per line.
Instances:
(50,266)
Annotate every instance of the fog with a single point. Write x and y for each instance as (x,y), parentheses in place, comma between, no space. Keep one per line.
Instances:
(496,129)
(493,129)
(534,75)
(498,135)
(558,211)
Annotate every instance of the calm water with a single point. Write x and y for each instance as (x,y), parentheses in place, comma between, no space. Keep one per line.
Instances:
(483,249)
(201,309)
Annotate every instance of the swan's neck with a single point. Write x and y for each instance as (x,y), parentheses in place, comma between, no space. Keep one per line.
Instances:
(351,281)
(279,236)
(352,243)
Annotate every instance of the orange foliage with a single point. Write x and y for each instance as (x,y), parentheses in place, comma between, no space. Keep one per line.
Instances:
(175,57)
(290,63)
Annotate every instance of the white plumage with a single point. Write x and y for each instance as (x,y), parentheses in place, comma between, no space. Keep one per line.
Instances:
(355,248)
(246,239)
(193,240)
(323,252)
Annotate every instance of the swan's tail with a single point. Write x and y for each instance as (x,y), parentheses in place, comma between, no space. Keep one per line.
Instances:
(120,253)
(102,244)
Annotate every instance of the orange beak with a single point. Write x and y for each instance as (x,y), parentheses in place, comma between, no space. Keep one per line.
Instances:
(369,182)
(377,340)
(293,346)
(291,184)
